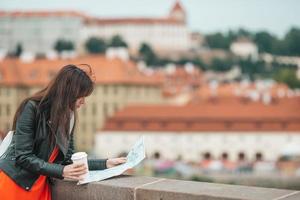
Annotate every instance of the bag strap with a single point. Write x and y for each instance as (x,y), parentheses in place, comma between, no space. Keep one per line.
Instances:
(6,142)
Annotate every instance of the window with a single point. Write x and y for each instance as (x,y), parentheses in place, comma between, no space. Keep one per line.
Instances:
(137,91)
(126,90)
(224,156)
(105,110)
(258,156)
(206,156)
(115,89)
(8,109)
(241,156)
(105,89)
(115,107)
(94,126)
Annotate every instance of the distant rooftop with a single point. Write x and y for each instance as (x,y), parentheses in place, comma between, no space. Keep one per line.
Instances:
(97,20)
(222,114)
(107,71)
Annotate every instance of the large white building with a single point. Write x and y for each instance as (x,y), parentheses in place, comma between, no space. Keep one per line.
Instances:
(232,126)
(37,32)
(244,48)
(163,34)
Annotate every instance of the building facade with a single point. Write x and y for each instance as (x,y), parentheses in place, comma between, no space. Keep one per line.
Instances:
(37,32)
(163,34)
(118,83)
(244,48)
(216,127)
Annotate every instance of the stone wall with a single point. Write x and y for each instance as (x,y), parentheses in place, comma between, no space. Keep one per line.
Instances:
(150,188)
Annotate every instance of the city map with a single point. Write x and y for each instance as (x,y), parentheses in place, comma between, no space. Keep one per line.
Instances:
(134,157)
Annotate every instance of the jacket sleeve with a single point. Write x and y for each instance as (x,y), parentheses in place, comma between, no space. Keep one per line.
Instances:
(24,138)
(97,164)
(94,164)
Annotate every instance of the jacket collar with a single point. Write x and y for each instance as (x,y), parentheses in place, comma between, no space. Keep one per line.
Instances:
(62,142)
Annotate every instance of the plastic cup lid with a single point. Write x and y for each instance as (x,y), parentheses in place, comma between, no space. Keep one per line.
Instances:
(78,155)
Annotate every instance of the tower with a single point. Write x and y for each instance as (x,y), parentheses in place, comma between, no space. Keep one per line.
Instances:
(177,12)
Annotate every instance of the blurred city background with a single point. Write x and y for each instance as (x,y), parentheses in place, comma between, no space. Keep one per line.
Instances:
(214,86)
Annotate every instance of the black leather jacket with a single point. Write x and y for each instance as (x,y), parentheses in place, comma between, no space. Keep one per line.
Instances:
(26,157)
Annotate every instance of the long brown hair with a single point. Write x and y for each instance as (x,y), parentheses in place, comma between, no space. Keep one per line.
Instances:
(59,97)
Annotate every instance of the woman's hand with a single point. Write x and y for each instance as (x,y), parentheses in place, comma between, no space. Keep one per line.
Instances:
(112,162)
(75,171)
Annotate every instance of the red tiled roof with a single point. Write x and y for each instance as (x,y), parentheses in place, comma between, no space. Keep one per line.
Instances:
(177,82)
(41,71)
(224,114)
(234,89)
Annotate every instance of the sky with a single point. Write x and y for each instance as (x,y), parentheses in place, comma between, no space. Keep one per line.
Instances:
(205,16)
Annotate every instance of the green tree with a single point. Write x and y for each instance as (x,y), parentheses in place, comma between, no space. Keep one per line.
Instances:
(117,41)
(19,50)
(221,65)
(254,69)
(148,55)
(265,41)
(292,41)
(63,45)
(217,40)
(95,45)
(280,48)
(243,33)
(287,76)
(182,61)
(223,40)
(231,36)
(200,63)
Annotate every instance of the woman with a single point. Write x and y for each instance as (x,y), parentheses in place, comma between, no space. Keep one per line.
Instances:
(42,143)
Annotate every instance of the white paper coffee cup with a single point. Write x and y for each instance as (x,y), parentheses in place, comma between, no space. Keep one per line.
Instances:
(81,157)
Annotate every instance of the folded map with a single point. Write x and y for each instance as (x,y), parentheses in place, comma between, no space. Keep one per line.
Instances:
(134,157)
